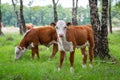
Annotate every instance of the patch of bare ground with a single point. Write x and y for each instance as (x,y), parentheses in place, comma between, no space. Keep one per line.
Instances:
(10,30)
(16,29)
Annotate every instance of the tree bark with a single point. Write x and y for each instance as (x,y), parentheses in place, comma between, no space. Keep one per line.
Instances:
(74,12)
(22,16)
(55,10)
(100,31)
(96,27)
(18,17)
(104,29)
(1,33)
(110,20)
(29,4)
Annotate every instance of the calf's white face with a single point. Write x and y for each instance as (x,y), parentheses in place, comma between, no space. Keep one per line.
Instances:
(19,52)
(61,28)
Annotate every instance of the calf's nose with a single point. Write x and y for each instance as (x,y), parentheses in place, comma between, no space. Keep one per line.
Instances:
(61,35)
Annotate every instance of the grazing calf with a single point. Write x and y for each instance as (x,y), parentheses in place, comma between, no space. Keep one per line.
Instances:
(73,37)
(35,36)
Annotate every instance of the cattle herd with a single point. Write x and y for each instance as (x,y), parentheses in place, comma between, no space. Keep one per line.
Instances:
(64,37)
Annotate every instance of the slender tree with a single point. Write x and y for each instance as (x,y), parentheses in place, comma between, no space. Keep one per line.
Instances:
(30,14)
(55,10)
(0,13)
(1,33)
(110,20)
(18,16)
(74,12)
(96,26)
(104,30)
(22,16)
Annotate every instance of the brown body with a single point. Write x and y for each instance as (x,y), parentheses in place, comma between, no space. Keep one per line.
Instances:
(79,35)
(35,36)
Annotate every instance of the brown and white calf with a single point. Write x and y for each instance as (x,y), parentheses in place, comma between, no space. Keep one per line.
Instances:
(35,36)
(71,37)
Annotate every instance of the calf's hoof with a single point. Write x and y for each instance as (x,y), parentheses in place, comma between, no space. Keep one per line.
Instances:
(71,69)
(90,65)
(59,69)
(83,65)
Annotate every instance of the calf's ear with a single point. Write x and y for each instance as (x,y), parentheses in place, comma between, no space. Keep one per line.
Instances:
(53,24)
(32,25)
(68,23)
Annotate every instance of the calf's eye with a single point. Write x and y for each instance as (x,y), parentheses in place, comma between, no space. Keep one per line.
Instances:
(65,27)
(56,27)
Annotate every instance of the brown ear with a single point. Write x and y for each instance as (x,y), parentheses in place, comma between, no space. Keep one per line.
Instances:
(68,24)
(32,25)
(20,48)
(53,24)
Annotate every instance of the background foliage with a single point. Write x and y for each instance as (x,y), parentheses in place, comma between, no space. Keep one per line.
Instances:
(43,15)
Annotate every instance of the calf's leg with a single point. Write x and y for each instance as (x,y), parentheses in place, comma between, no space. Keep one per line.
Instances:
(91,47)
(84,56)
(91,55)
(35,50)
(62,54)
(54,51)
(72,61)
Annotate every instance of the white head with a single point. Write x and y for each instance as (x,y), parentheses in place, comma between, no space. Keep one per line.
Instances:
(19,51)
(61,28)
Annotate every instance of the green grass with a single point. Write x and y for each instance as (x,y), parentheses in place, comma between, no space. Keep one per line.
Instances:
(45,69)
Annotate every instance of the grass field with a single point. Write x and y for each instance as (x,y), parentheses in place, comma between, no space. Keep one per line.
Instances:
(45,69)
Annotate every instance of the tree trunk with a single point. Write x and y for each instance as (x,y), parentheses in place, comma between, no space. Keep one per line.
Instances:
(55,10)
(100,32)
(104,29)
(96,27)
(18,17)
(22,17)
(74,12)
(1,33)
(30,14)
(110,20)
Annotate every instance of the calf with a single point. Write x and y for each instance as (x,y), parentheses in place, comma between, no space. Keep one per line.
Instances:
(73,37)
(35,36)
